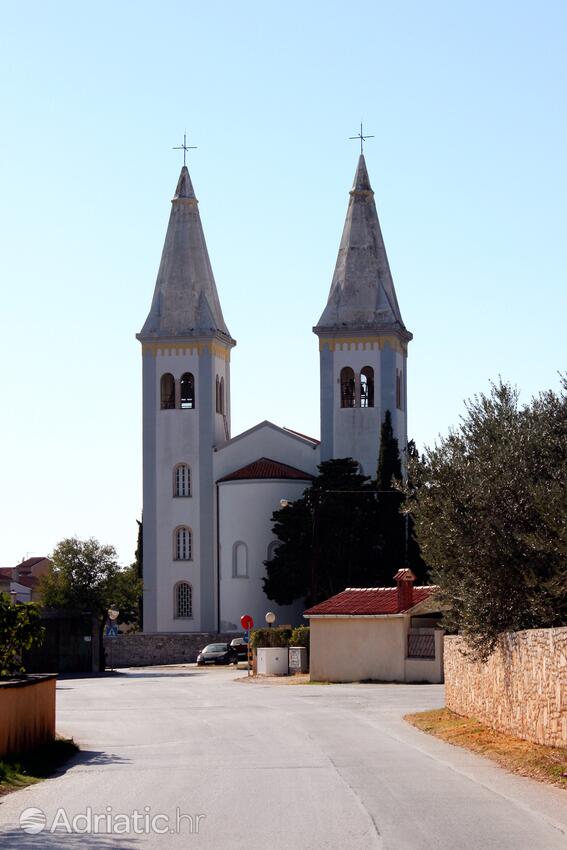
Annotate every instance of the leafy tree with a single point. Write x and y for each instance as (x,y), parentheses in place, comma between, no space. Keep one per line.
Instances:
(328,538)
(20,628)
(85,576)
(490,507)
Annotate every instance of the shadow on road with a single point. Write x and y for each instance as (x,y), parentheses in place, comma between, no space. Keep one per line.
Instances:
(17,839)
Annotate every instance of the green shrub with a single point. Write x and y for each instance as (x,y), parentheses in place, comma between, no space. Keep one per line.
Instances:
(20,628)
(300,636)
(270,638)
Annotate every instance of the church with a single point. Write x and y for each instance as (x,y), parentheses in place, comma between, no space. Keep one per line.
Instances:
(208,496)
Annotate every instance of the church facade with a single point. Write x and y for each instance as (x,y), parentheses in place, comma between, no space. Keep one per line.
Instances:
(208,497)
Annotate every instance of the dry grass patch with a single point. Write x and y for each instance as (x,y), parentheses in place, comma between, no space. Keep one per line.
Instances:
(547,764)
(297,679)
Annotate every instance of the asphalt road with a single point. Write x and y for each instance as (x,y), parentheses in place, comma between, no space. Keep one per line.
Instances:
(264,767)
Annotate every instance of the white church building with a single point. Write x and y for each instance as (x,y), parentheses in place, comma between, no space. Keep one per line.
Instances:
(208,497)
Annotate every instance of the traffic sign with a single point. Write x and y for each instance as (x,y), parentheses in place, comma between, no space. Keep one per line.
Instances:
(246,638)
(247,622)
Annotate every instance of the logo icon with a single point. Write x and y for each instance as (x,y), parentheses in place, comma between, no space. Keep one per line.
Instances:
(33,821)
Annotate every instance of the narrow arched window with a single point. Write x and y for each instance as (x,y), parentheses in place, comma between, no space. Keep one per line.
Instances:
(399,390)
(182,480)
(182,550)
(348,394)
(240,560)
(187,387)
(167,391)
(183,600)
(367,387)
(217,395)
(221,396)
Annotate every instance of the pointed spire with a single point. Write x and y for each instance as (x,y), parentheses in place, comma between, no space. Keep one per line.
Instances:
(362,294)
(186,301)
(361,178)
(184,187)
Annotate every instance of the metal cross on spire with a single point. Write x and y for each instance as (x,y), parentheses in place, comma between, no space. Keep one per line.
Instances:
(362,138)
(185,147)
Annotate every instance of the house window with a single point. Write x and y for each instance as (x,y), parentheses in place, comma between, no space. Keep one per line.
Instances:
(240,560)
(167,391)
(399,390)
(182,480)
(183,600)
(187,391)
(367,387)
(348,394)
(182,544)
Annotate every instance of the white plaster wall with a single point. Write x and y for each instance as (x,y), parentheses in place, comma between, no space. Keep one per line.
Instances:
(357,430)
(177,441)
(245,509)
(348,650)
(266,440)
(427,669)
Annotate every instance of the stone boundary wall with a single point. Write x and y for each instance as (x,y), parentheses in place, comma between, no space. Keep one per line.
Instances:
(146,650)
(521,689)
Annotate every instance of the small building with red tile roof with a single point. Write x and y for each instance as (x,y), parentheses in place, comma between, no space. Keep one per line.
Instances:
(22,581)
(388,634)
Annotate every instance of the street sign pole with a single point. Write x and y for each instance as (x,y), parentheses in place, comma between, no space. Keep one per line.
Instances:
(247,624)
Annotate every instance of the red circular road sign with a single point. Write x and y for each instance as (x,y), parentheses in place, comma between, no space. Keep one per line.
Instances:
(247,622)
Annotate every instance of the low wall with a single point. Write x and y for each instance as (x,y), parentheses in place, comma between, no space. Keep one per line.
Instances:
(146,650)
(521,689)
(27,713)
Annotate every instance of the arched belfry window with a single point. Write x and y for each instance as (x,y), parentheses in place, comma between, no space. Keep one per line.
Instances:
(182,480)
(187,395)
(183,600)
(182,544)
(221,396)
(367,387)
(348,392)
(167,391)
(240,560)
(217,395)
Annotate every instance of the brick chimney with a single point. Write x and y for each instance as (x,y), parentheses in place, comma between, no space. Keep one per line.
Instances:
(404,582)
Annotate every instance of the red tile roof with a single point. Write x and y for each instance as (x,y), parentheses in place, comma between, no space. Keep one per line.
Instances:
(305,436)
(369,600)
(266,468)
(26,565)
(6,572)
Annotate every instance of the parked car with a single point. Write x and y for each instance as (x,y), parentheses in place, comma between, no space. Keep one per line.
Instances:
(217,653)
(240,647)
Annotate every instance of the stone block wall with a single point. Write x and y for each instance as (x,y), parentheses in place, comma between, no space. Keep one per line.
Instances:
(521,689)
(145,650)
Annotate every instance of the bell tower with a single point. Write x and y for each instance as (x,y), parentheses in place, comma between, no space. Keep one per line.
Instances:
(362,340)
(186,414)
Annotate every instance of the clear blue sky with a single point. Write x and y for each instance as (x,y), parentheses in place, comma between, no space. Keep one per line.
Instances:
(467,103)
